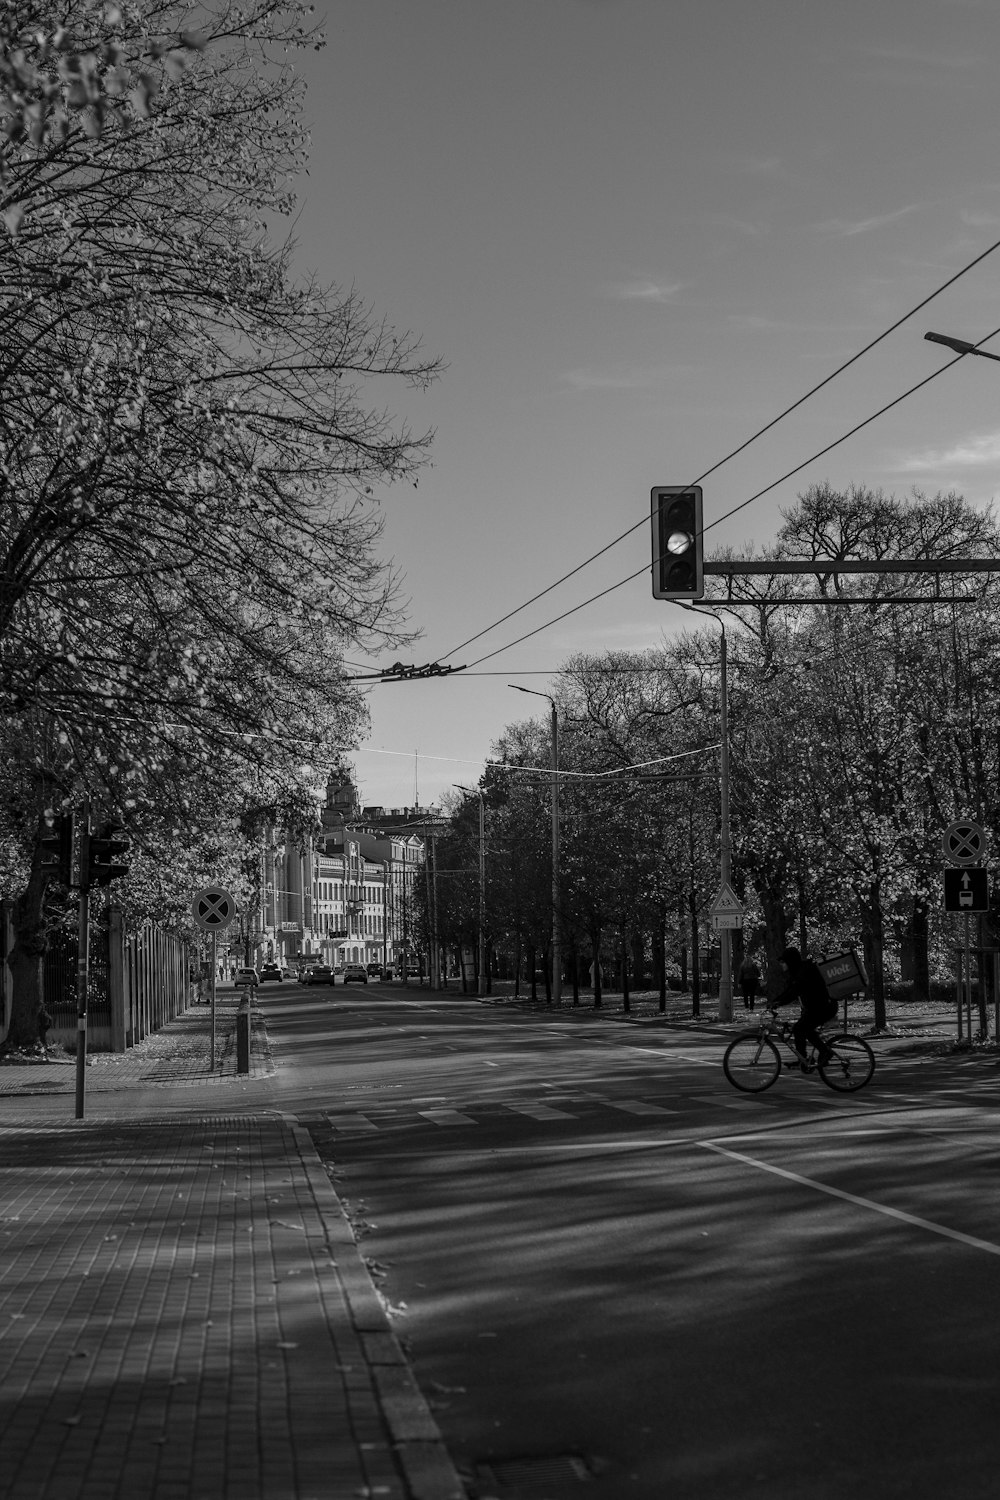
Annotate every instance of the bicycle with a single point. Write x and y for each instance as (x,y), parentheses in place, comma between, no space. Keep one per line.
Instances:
(752,1061)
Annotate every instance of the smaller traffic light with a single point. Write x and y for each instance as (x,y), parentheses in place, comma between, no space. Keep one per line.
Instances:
(104,851)
(678,545)
(57,850)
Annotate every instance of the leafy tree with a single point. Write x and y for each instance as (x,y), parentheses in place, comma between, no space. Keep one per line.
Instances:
(188,453)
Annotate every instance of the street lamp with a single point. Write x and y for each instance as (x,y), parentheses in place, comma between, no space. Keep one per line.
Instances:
(477,792)
(556,945)
(960,346)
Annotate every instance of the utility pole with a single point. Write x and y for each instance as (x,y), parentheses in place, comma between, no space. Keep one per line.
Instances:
(556,898)
(556,943)
(439,983)
(482,894)
(478,792)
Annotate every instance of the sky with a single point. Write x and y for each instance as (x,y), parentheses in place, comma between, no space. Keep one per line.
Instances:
(635,231)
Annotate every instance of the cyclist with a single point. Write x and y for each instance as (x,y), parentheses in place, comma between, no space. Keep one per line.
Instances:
(806,984)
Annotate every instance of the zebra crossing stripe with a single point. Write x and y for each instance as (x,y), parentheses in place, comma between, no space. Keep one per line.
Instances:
(640,1107)
(540,1111)
(447,1117)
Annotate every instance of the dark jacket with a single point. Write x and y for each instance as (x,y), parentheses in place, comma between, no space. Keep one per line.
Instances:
(807,985)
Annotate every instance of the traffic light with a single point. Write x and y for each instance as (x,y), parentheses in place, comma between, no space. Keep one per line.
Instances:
(57,850)
(678,546)
(104,850)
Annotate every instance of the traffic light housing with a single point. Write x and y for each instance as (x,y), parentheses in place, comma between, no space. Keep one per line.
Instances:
(58,850)
(105,850)
(678,544)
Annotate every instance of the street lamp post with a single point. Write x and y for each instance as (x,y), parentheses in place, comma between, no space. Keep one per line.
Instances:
(556,941)
(477,792)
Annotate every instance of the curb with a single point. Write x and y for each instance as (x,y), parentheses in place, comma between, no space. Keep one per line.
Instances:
(417,1444)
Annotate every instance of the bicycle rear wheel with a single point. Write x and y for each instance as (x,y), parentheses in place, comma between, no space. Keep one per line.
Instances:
(752,1062)
(850,1067)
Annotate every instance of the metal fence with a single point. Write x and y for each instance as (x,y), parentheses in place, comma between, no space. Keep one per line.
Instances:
(59,974)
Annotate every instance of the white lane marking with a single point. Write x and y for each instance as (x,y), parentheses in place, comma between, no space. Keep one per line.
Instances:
(639,1107)
(666,1055)
(869,1203)
(540,1111)
(446,1116)
(731,1103)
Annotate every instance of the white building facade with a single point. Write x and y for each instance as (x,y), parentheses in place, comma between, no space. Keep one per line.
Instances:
(345,894)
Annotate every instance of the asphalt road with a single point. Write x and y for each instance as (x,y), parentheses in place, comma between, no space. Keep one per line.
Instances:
(615,1277)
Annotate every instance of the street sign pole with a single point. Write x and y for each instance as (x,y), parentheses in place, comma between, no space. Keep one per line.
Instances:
(83,963)
(214,972)
(213,909)
(968,984)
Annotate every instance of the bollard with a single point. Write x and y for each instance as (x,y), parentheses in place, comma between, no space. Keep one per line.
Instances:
(243,1036)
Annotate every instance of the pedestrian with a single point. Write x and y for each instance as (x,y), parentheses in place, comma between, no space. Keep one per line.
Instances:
(749,980)
(806,984)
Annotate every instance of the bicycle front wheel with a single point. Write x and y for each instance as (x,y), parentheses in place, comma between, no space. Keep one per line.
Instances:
(851,1065)
(752,1062)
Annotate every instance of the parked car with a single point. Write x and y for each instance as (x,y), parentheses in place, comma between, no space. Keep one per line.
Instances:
(321,974)
(374,971)
(270,971)
(245,977)
(355,974)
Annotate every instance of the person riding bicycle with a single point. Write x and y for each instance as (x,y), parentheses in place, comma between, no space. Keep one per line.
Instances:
(806,985)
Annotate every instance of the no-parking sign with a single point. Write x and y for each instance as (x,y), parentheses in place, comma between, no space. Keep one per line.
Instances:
(213,909)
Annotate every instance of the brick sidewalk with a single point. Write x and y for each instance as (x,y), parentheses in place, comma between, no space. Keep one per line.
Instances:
(180,1053)
(184,1311)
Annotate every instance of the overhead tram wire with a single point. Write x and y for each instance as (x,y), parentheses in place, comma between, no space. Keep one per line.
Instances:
(733,454)
(742,506)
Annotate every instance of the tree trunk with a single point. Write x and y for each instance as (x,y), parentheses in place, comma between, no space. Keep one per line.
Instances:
(574,959)
(531,966)
(595,944)
(547,967)
(27,964)
(695,959)
(517,970)
(626,997)
(639,959)
(660,964)
(775,927)
(803,930)
(920,935)
(874,944)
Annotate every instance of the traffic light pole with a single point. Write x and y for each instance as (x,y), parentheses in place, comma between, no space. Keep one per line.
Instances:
(725,935)
(725,841)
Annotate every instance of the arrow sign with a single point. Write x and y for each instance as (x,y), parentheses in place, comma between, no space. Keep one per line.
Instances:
(213,909)
(967,890)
